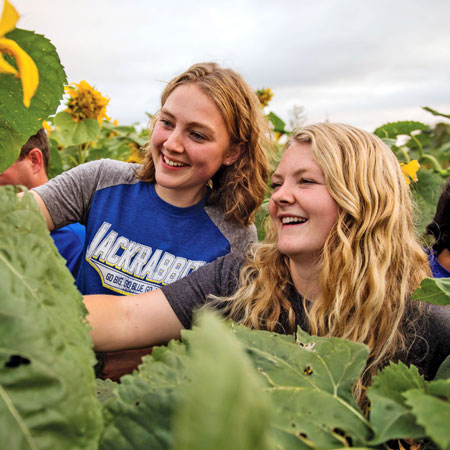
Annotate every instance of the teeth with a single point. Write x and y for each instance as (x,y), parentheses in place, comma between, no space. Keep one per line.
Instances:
(285,220)
(173,163)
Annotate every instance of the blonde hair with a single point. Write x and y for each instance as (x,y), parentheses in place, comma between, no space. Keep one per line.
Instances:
(371,261)
(238,189)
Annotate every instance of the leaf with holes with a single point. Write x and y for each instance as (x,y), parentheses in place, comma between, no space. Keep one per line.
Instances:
(310,384)
(47,390)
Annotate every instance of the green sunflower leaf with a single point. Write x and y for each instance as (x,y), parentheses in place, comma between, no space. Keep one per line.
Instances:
(18,123)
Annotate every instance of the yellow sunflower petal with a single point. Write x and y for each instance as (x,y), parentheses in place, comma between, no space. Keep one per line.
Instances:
(410,170)
(28,72)
(8,19)
(47,127)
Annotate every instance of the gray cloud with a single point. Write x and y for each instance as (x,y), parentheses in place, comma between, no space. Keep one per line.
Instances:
(351,61)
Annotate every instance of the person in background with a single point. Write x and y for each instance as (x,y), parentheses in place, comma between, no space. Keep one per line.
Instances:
(439,228)
(31,170)
(341,259)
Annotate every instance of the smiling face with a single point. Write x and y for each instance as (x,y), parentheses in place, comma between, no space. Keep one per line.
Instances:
(301,207)
(189,144)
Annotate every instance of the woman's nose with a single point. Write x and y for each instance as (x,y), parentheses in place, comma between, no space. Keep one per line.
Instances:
(174,142)
(283,195)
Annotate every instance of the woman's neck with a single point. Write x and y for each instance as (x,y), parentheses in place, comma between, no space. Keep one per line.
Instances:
(181,198)
(305,277)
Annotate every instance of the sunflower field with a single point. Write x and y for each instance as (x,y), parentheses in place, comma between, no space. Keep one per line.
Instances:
(222,386)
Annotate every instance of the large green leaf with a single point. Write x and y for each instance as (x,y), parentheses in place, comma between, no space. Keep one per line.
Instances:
(138,415)
(47,396)
(75,133)
(218,401)
(390,417)
(310,383)
(224,406)
(393,129)
(433,290)
(444,370)
(432,409)
(18,123)
(425,194)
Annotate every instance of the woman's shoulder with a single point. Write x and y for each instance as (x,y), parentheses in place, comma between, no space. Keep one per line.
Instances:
(431,341)
(239,236)
(106,172)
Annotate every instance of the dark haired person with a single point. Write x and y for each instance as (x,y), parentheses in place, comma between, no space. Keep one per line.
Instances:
(31,170)
(439,228)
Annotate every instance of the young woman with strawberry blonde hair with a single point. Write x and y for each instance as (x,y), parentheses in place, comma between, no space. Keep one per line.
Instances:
(205,173)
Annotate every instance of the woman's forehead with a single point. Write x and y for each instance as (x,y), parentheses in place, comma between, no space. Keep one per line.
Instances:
(298,157)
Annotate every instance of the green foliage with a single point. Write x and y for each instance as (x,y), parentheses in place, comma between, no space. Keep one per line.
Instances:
(436,113)
(430,146)
(18,123)
(433,290)
(75,143)
(219,388)
(425,194)
(309,381)
(203,393)
(139,414)
(279,126)
(225,391)
(47,397)
(431,406)
(75,133)
(393,129)
(390,416)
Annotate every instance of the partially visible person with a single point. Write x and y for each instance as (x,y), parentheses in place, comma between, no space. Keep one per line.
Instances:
(439,228)
(31,170)
(341,259)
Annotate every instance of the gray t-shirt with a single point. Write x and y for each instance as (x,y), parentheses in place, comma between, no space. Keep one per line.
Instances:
(428,348)
(135,241)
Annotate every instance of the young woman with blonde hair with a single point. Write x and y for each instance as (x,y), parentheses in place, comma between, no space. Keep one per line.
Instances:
(340,259)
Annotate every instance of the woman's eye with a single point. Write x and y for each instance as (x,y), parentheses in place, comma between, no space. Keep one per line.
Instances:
(198,136)
(306,181)
(274,186)
(165,122)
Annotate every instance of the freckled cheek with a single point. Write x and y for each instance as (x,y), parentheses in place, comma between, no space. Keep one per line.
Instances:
(272,209)
(158,138)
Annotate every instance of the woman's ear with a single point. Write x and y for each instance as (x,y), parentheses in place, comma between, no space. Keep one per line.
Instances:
(233,154)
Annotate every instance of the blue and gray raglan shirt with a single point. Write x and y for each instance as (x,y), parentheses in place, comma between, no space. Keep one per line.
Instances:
(135,241)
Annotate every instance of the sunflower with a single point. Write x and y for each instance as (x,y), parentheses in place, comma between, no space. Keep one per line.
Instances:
(85,102)
(264,96)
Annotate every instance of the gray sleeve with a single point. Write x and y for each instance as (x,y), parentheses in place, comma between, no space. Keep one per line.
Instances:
(219,278)
(438,337)
(238,236)
(68,196)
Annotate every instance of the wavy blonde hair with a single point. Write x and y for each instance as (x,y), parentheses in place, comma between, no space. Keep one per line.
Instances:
(371,261)
(238,189)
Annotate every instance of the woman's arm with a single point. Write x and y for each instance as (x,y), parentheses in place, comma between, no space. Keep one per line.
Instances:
(44,210)
(155,317)
(135,321)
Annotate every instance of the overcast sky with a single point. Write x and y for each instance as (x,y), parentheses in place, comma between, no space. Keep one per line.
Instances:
(361,62)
